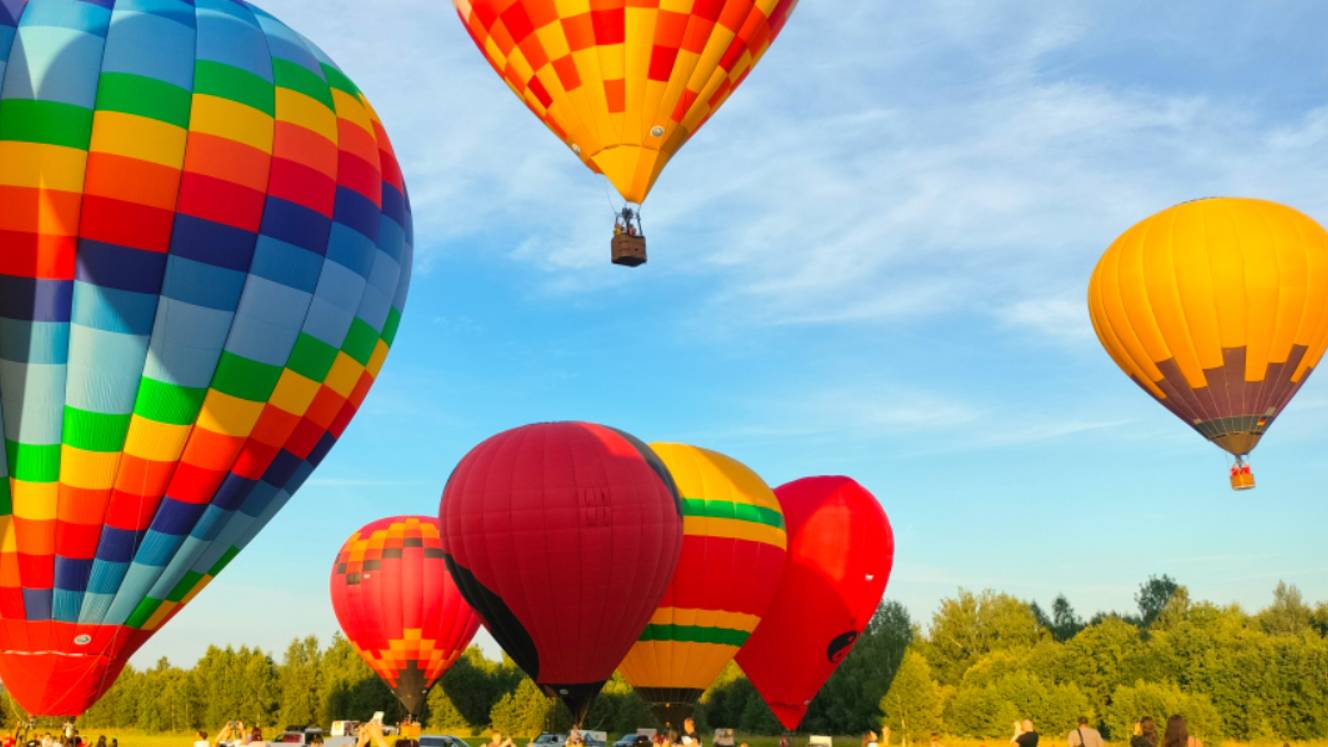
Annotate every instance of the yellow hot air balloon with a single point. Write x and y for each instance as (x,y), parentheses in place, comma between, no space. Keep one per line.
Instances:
(1218,308)
(733,553)
(622,83)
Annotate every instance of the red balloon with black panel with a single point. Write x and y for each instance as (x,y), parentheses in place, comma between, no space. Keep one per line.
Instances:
(563,537)
(840,552)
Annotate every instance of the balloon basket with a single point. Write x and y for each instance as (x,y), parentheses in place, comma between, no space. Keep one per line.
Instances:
(629,251)
(1241,477)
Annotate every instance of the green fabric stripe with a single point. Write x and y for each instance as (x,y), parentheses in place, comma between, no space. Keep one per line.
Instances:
(232,83)
(168,403)
(311,357)
(146,97)
(223,561)
(695,634)
(6,501)
(391,326)
(337,79)
(297,77)
(32,462)
(244,378)
(731,510)
(142,612)
(185,586)
(94,431)
(360,341)
(50,122)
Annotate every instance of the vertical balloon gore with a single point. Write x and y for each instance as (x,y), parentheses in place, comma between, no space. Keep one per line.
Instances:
(204,255)
(840,551)
(397,604)
(563,537)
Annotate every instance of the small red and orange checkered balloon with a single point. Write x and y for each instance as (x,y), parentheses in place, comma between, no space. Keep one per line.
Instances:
(398,605)
(624,83)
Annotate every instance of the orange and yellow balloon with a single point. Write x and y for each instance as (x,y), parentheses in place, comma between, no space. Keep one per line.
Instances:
(1218,308)
(734,550)
(622,83)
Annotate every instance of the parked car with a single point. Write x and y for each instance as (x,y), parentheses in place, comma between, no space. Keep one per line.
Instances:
(632,740)
(595,738)
(549,739)
(442,740)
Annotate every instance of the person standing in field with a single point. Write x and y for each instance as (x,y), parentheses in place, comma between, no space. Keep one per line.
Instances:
(1145,733)
(1178,734)
(1085,735)
(1024,735)
(202,740)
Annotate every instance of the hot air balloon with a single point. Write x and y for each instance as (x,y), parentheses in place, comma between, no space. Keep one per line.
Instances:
(733,553)
(624,85)
(398,606)
(1218,308)
(204,252)
(563,537)
(840,550)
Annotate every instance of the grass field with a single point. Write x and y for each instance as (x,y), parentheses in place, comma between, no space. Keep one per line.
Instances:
(139,739)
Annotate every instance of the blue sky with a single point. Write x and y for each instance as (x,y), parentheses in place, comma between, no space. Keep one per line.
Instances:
(872,262)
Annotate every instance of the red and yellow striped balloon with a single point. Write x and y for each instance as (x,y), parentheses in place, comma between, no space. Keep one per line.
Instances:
(733,555)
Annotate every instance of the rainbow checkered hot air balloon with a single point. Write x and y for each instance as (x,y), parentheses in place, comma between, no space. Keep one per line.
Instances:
(733,555)
(205,246)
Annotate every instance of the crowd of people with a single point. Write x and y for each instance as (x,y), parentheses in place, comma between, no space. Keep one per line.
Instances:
(1084,735)
(26,735)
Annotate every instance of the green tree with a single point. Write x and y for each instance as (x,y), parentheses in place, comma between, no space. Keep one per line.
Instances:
(1153,596)
(474,684)
(914,704)
(970,625)
(443,713)
(1160,700)
(300,682)
(1288,614)
(523,711)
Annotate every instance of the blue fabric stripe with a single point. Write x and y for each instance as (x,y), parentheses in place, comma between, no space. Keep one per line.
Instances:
(295,224)
(35,300)
(212,243)
(356,211)
(111,266)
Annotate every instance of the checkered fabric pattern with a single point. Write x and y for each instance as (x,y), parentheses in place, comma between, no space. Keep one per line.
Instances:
(624,83)
(396,601)
(205,246)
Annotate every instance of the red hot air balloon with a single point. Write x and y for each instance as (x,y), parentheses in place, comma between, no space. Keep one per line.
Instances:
(563,536)
(397,603)
(840,550)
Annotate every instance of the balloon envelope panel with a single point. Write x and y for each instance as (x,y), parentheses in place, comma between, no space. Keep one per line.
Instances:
(205,247)
(1218,308)
(563,537)
(624,85)
(398,606)
(733,555)
(841,550)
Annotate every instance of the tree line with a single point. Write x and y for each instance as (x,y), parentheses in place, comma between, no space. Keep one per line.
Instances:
(985,660)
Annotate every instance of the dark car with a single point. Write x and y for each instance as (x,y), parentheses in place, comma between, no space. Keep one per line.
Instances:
(632,740)
(442,740)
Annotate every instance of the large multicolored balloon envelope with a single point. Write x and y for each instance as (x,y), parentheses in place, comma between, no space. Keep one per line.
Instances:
(563,536)
(840,552)
(204,251)
(398,606)
(733,554)
(1217,308)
